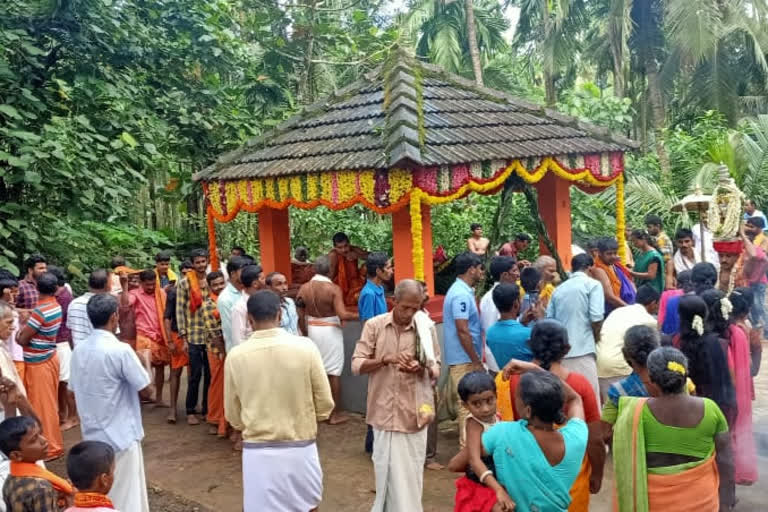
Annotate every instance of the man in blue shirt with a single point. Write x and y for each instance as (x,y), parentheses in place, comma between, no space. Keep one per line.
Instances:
(372,303)
(579,304)
(750,210)
(508,338)
(461,326)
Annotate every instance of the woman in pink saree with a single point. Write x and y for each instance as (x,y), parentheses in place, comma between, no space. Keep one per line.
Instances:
(739,361)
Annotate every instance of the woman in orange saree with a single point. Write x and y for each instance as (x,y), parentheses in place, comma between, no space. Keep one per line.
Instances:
(670,450)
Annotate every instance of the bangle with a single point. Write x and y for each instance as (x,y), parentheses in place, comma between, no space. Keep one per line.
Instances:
(485,475)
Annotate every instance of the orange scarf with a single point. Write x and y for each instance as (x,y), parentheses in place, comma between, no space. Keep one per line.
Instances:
(215,299)
(195,295)
(160,306)
(92,500)
(612,277)
(30,470)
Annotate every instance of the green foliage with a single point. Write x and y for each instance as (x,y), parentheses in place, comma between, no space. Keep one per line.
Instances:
(588,102)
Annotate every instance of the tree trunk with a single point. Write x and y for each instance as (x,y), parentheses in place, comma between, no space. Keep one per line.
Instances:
(549,89)
(618,73)
(656,102)
(305,85)
(474,51)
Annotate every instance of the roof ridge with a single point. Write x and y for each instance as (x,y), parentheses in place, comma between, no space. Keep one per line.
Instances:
(403,106)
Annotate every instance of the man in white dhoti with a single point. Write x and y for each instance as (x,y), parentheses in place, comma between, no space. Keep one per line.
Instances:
(275,392)
(400,352)
(108,379)
(320,304)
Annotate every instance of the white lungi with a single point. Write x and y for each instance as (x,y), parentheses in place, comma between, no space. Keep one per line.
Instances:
(65,357)
(587,366)
(129,492)
(398,461)
(329,338)
(281,477)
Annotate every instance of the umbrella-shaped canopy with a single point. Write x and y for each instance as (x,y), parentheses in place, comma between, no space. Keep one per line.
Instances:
(695,202)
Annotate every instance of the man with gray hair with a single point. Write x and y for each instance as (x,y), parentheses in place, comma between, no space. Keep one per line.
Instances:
(320,304)
(547,266)
(401,354)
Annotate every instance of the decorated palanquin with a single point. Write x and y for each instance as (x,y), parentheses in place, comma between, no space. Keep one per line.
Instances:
(407,137)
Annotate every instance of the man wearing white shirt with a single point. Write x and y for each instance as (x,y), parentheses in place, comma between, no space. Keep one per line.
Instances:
(231,295)
(710,254)
(77,316)
(252,279)
(108,380)
(611,364)
(503,270)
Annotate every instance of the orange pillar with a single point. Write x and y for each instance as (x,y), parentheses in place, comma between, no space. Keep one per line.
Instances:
(275,241)
(555,209)
(402,245)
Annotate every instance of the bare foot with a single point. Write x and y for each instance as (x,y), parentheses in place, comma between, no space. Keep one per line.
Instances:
(192,420)
(171,419)
(337,419)
(162,405)
(238,446)
(434,466)
(213,430)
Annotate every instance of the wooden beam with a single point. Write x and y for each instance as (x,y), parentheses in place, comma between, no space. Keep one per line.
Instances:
(555,209)
(403,247)
(275,241)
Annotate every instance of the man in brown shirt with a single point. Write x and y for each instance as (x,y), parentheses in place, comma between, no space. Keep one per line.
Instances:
(321,309)
(402,357)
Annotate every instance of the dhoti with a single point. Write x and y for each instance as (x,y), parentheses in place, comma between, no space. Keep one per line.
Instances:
(216,394)
(42,383)
(398,461)
(329,338)
(284,476)
(129,490)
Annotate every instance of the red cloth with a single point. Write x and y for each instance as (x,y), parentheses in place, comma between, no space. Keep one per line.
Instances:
(663,303)
(473,497)
(580,385)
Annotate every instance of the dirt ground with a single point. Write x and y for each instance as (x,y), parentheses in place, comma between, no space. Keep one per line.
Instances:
(190,471)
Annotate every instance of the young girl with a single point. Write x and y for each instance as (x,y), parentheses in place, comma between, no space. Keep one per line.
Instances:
(478,490)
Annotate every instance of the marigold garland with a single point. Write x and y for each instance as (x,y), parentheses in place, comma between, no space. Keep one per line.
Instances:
(417,241)
(282,187)
(620,219)
(213,253)
(359,187)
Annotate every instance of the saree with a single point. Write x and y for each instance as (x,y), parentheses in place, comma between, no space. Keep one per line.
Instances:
(690,487)
(644,261)
(742,439)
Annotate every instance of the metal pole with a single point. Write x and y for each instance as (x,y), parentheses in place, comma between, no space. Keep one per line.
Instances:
(701,229)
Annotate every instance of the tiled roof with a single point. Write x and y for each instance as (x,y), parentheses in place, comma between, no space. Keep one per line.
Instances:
(411,113)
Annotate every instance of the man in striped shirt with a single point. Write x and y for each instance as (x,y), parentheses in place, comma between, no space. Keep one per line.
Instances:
(77,316)
(41,376)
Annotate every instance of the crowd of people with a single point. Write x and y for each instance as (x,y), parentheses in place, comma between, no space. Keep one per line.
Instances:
(652,359)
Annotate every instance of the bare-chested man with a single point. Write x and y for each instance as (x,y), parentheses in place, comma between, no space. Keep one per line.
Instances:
(477,243)
(321,310)
(344,269)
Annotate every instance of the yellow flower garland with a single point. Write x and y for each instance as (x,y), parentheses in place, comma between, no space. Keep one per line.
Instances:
(311,186)
(295,186)
(367,184)
(620,219)
(282,188)
(417,243)
(269,188)
(400,183)
(347,181)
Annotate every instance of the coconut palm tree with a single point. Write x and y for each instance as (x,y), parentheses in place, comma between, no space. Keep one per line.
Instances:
(460,37)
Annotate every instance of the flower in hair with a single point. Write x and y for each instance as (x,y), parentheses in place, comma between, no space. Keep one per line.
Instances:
(725,307)
(698,324)
(676,367)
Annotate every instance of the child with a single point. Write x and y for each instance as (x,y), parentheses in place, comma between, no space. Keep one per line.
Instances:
(530,278)
(478,490)
(91,467)
(30,488)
